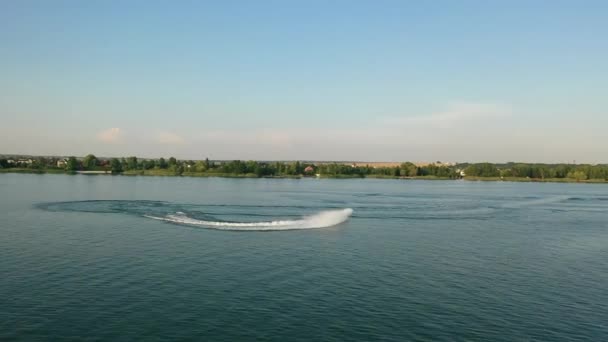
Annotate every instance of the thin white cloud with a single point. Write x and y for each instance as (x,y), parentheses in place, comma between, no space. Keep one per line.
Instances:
(110,136)
(265,137)
(454,113)
(168,138)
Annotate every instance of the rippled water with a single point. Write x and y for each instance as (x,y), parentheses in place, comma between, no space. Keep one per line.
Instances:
(104,257)
(200,215)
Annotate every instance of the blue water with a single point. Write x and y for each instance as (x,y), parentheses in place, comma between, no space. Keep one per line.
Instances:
(123,258)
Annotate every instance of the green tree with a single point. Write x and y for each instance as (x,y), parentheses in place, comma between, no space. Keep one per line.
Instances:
(37,165)
(179,169)
(162,163)
(147,164)
(72,164)
(278,168)
(200,166)
(116,166)
(89,162)
(408,169)
(43,162)
(482,170)
(578,175)
(132,163)
(251,166)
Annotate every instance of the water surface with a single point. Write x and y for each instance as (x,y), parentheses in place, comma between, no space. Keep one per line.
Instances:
(114,257)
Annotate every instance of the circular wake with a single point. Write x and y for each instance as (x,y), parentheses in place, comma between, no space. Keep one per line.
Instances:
(323,219)
(214,216)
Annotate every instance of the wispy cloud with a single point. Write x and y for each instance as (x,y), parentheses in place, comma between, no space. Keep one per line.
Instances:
(455,113)
(110,136)
(168,138)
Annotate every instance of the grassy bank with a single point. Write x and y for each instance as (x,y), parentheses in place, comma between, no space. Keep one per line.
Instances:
(413,178)
(170,173)
(534,180)
(36,171)
(339,176)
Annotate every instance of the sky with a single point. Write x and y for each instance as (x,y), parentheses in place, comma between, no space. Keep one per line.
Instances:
(455,81)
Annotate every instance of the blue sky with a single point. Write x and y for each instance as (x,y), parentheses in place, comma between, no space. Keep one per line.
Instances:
(321,80)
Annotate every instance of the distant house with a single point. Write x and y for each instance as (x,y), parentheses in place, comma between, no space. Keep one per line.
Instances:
(309,169)
(61,163)
(24,161)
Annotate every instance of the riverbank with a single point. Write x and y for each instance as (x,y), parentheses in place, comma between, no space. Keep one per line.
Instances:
(169,173)
(533,180)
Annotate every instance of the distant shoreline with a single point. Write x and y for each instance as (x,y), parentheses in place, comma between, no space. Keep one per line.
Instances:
(516,172)
(225,175)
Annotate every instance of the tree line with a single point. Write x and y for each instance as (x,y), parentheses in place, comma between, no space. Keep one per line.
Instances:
(251,168)
(538,171)
(234,167)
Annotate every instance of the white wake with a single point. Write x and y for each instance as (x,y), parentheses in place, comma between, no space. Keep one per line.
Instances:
(320,220)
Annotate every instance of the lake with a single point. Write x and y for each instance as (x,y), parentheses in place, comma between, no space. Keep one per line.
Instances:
(212,259)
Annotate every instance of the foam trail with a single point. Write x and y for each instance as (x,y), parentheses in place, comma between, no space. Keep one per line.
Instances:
(320,220)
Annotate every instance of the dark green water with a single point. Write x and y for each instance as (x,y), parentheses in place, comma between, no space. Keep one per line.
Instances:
(123,258)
